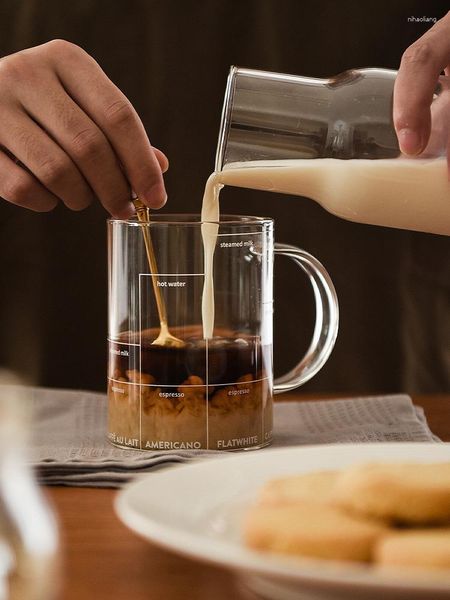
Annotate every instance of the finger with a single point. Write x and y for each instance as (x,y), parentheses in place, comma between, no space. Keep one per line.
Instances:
(162,159)
(109,108)
(419,70)
(85,143)
(21,188)
(46,160)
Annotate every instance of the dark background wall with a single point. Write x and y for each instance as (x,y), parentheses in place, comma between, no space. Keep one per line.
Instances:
(171,58)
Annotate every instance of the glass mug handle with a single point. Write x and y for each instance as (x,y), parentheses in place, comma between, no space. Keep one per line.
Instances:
(327,320)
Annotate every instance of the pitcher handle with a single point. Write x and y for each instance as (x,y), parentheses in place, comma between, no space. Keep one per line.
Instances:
(327,320)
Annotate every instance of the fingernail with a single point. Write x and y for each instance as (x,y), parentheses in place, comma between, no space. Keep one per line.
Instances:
(410,141)
(156,196)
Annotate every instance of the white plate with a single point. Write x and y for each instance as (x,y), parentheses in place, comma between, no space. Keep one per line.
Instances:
(195,510)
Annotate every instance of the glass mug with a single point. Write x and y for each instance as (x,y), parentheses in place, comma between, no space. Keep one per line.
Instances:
(210,393)
(29,563)
(333,140)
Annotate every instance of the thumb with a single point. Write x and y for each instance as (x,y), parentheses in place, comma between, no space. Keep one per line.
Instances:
(415,84)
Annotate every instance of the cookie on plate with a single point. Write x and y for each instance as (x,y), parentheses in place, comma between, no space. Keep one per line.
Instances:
(315,487)
(409,493)
(313,530)
(424,548)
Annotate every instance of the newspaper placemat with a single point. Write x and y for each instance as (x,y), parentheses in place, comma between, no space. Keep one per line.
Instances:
(69,446)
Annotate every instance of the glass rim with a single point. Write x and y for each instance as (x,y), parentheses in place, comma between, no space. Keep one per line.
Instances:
(193,220)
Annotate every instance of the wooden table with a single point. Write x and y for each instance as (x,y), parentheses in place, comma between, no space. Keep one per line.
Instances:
(105,561)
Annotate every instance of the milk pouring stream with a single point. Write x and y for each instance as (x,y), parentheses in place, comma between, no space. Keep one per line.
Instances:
(405,193)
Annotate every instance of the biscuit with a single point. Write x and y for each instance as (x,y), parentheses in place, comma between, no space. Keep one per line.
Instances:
(315,487)
(312,530)
(409,493)
(427,548)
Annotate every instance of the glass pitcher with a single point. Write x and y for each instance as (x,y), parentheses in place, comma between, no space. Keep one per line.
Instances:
(333,140)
